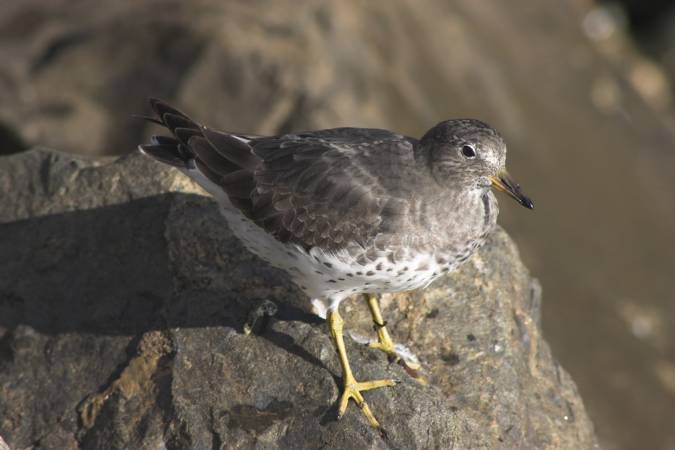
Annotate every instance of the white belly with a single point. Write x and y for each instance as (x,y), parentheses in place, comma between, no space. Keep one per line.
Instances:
(329,277)
(335,276)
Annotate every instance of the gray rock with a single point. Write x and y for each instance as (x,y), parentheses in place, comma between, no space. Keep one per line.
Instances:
(122,301)
(595,156)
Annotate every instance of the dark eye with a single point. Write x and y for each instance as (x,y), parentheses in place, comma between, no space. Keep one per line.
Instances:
(469,151)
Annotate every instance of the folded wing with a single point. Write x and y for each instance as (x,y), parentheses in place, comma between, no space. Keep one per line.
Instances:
(327,188)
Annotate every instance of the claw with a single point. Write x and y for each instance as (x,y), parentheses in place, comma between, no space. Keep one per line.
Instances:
(353,390)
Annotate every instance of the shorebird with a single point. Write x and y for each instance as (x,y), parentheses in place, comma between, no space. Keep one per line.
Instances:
(348,211)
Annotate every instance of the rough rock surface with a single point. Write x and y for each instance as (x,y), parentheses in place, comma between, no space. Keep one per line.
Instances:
(122,299)
(596,158)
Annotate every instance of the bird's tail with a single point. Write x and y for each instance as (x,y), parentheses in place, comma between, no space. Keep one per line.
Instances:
(222,163)
(170,149)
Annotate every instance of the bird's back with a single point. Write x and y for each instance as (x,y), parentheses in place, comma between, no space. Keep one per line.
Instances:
(325,188)
(342,210)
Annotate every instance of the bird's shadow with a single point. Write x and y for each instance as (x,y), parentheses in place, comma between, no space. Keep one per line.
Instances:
(109,271)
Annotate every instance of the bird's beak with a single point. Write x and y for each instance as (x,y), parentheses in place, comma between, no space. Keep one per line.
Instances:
(503,182)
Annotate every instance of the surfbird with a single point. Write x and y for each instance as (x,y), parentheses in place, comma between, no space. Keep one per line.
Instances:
(348,211)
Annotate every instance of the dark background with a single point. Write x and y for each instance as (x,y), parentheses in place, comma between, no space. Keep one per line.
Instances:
(582,92)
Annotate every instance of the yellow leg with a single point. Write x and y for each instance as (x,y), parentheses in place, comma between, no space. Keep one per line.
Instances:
(384,341)
(352,389)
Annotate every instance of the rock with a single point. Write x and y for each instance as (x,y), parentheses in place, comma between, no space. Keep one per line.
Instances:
(123,297)
(73,75)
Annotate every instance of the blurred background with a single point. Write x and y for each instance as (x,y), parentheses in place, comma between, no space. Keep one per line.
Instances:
(582,90)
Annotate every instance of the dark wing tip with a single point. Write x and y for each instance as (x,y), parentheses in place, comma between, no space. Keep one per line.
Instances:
(147,118)
(156,103)
(232,148)
(160,108)
(165,153)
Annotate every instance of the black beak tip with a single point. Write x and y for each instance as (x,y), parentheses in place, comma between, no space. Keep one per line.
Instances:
(527,203)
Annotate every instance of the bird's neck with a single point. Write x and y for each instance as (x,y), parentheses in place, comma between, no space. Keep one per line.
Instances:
(472,210)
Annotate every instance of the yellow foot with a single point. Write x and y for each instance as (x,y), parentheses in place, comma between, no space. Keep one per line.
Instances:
(386,344)
(411,368)
(353,390)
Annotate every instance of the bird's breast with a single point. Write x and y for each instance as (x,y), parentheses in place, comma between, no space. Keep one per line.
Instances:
(455,223)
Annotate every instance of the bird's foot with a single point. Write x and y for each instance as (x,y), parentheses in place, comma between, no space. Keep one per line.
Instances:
(352,389)
(386,344)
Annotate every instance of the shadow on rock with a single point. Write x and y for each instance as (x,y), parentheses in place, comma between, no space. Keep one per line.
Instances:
(107,271)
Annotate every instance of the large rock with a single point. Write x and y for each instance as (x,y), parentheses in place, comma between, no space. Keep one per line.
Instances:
(122,300)
(596,158)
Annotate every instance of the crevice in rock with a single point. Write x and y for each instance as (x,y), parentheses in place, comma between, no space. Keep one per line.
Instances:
(10,140)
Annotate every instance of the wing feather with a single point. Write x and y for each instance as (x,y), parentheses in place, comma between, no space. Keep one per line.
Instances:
(328,188)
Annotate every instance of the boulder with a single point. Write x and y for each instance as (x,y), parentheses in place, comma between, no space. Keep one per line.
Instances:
(556,78)
(123,296)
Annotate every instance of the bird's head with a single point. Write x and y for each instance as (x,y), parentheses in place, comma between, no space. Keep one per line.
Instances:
(471,153)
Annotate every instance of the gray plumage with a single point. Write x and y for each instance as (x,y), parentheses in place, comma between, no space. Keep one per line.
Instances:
(347,210)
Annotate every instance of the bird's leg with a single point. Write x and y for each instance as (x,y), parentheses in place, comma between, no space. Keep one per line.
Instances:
(352,388)
(384,341)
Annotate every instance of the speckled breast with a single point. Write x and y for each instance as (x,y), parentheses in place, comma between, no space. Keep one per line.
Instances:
(355,269)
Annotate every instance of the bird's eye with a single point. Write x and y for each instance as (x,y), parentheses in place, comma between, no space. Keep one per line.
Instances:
(469,151)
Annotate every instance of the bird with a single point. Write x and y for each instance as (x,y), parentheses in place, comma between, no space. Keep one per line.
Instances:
(348,211)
